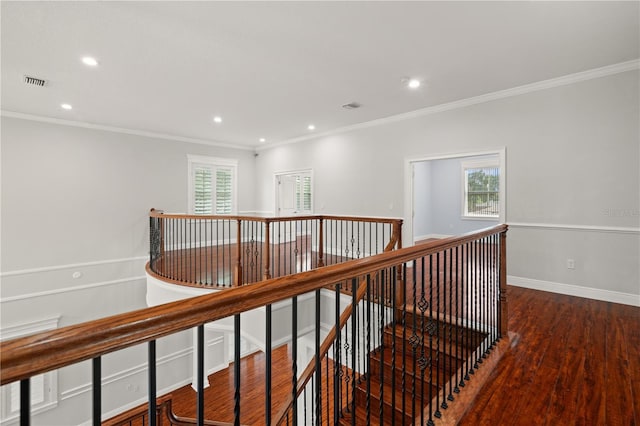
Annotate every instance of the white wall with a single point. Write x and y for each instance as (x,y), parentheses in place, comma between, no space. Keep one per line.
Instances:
(76,200)
(422,205)
(438,199)
(572,158)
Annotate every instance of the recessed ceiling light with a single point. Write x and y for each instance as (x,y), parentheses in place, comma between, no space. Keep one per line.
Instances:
(311,127)
(66,106)
(413,83)
(263,140)
(217,119)
(89,61)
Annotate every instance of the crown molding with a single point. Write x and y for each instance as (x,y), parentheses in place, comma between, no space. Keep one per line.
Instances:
(488,97)
(123,130)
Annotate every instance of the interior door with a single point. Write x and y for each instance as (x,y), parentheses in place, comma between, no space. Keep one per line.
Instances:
(287,195)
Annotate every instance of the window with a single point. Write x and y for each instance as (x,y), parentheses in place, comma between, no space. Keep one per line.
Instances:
(481,181)
(43,387)
(212,185)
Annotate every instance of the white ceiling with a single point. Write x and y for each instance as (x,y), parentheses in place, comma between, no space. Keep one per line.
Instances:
(271,68)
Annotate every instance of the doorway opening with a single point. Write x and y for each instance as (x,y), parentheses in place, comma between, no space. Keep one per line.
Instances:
(454,194)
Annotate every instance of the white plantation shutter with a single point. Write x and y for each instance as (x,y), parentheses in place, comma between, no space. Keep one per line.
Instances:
(211,185)
(224,199)
(306,193)
(203,190)
(303,193)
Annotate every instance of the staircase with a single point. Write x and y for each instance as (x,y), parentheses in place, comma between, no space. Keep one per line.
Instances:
(405,376)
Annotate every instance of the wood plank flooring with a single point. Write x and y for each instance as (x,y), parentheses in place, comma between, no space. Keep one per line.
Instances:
(572,361)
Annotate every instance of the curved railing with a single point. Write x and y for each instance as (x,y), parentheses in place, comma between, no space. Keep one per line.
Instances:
(226,251)
(437,332)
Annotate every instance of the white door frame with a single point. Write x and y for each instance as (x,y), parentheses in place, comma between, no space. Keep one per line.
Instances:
(409,184)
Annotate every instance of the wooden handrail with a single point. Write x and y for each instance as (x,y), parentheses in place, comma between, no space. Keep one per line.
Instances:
(31,355)
(269,219)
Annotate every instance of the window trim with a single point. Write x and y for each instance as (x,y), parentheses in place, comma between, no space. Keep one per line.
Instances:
(477,164)
(214,162)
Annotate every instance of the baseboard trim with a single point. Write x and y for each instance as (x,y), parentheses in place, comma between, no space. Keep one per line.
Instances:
(575,290)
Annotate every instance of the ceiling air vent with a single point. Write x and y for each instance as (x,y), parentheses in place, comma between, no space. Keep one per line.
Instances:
(34,81)
(351,105)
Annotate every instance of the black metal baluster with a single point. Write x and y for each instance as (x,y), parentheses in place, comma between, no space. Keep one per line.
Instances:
(25,402)
(318,389)
(200,375)
(326,358)
(236,369)
(337,369)
(97,391)
(294,358)
(423,361)
(475,305)
(453,369)
(467,307)
(392,279)
(152,383)
(459,351)
(368,370)
(381,309)
(313,406)
(404,339)
(354,310)
(414,339)
(437,414)
(346,363)
(430,331)
(268,338)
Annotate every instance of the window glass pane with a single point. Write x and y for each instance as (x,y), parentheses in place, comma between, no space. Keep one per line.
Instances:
(482,191)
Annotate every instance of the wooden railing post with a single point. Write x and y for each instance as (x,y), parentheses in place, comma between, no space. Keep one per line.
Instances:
(266,251)
(237,276)
(504,308)
(321,244)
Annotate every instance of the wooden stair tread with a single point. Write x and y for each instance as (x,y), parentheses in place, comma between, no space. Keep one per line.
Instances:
(451,349)
(385,357)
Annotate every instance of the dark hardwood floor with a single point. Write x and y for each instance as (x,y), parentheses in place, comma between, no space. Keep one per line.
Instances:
(572,361)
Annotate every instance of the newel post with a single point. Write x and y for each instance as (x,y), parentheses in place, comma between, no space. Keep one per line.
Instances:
(321,244)
(504,309)
(237,276)
(266,250)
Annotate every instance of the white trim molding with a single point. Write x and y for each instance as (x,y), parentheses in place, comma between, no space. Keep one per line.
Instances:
(575,290)
(72,266)
(69,289)
(102,127)
(568,227)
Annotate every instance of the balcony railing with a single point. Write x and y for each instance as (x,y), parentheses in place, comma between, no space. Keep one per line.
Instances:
(419,324)
(226,251)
